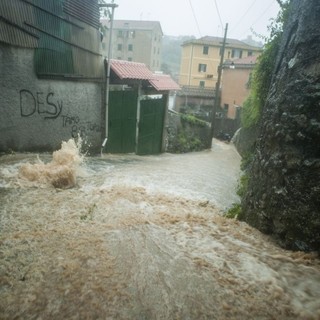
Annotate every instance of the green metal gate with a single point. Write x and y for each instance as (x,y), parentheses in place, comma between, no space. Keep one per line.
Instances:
(152,114)
(122,117)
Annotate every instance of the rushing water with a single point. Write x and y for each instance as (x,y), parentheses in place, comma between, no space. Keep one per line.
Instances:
(129,237)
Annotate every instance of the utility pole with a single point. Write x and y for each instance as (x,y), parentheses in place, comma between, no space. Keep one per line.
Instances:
(112,6)
(217,90)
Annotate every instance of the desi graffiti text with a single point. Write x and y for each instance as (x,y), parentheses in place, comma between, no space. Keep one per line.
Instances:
(43,104)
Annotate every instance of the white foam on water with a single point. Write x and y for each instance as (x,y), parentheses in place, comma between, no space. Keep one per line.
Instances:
(134,239)
(60,172)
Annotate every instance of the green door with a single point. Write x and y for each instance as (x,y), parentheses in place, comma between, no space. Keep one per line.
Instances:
(122,119)
(152,113)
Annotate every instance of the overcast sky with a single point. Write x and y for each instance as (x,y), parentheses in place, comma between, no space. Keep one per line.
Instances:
(202,17)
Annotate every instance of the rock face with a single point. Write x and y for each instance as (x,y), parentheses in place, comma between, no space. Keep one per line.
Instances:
(244,140)
(283,195)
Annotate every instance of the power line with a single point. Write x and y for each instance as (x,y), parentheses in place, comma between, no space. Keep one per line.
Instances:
(218,12)
(238,22)
(195,18)
(261,15)
(264,12)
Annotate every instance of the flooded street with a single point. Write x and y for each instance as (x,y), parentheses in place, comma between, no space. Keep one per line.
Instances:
(131,237)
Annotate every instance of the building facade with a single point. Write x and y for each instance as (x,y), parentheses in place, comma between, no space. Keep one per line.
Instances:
(137,41)
(51,74)
(235,84)
(201,58)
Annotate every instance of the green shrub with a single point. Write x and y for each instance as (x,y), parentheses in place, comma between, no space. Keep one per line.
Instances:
(261,78)
(190,119)
(234,212)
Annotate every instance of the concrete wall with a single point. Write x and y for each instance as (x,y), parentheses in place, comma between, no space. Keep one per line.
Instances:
(185,135)
(37,114)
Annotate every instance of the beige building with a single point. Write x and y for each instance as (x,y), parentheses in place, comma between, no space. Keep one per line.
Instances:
(235,84)
(201,58)
(138,41)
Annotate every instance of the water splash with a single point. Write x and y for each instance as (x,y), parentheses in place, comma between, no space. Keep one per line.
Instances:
(61,172)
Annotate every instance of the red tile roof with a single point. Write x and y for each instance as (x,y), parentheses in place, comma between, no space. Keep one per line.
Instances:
(139,71)
(163,82)
(131,70)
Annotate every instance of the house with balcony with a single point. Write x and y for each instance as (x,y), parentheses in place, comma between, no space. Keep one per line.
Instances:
(200,60)
(137,41)
(201,57)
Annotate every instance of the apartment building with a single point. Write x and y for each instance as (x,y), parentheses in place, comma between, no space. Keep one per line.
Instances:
(138,41)
(201,58)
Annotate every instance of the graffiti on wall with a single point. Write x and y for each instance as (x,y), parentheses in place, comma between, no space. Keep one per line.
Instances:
(41,103)
(49,107)
(79,127)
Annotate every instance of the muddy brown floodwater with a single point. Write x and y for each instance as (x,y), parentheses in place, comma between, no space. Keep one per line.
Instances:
(129,237)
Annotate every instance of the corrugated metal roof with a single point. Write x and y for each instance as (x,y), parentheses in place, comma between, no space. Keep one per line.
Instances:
(84,10)
(163,82)
(13,31)
(131,70)
(14,34)
(64,46)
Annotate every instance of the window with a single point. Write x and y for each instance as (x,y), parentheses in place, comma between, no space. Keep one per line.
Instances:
(236,53)
(120,35)
(129,59)
(202,67)
(119,47)
(202,84)
(205,50)
(130,47)
(250,53)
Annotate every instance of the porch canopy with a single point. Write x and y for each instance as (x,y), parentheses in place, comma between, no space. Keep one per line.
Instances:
(130,73)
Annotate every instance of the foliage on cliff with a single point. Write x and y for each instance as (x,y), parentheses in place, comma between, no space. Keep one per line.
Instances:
(262,75)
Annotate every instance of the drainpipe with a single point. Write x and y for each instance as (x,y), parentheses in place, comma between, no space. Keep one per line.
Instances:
(112,6)
(138,113)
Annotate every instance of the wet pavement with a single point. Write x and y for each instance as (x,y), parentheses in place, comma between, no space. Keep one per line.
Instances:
(130,237)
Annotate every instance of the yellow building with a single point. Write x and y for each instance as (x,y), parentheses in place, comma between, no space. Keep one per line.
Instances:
(201,57)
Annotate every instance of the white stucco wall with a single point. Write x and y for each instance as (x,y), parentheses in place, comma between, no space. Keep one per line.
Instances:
(37,114)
